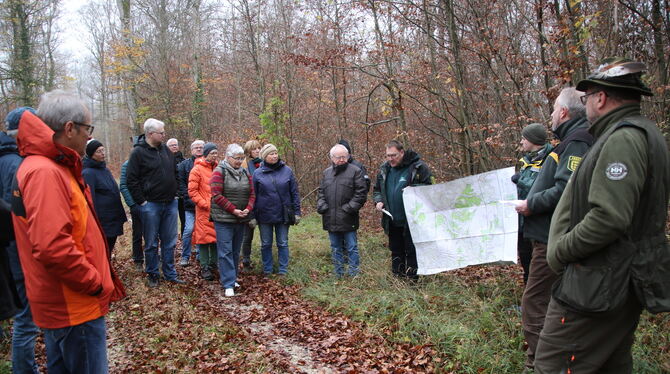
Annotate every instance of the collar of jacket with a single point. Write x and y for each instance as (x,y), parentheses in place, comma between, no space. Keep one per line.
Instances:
(91,163)
(566,127)
(603,123)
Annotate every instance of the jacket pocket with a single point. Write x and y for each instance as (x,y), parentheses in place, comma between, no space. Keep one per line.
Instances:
(584,288)
(650,273)
(597,284)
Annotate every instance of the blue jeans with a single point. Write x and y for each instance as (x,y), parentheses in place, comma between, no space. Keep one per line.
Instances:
(159,220)
(341,243)
(281,235)
(77,349)
(228,244)
(25,331)
(187,234)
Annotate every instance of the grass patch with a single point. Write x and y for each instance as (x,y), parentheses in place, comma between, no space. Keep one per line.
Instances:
(471,321)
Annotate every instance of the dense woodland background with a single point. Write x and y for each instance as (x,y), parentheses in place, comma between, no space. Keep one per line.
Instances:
(455,79)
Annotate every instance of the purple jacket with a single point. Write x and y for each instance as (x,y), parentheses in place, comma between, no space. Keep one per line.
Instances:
(275,188)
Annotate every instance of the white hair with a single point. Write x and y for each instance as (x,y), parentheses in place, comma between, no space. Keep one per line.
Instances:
(197,142)
(152,124)
(171,140)
(569,98)
(233,149)
(338,147)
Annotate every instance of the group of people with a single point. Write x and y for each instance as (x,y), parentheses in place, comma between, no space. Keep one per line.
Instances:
(592,213)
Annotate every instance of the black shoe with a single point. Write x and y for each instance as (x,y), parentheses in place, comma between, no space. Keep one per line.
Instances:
(207,274)
(153,281)
(177,281)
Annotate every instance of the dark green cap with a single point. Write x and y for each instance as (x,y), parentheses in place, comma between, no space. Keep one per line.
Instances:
(617,72)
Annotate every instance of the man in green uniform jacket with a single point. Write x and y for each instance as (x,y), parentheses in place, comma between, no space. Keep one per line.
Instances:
(609,223)
(569,124)
(402,169)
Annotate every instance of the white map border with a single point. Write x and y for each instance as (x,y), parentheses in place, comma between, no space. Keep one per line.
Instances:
(442,243)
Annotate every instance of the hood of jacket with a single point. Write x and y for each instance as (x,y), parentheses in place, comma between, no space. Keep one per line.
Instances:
(36,138)
(7,144)
(204,163)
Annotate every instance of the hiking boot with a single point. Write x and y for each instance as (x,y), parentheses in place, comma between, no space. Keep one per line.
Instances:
(177,281)
(207,274)
(229,292)
(183,262)
(247,266)
(153,281)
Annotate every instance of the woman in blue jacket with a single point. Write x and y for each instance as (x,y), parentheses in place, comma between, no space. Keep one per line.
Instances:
(105,192)
(277,206)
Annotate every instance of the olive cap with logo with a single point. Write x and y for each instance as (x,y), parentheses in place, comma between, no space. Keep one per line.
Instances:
(620,73)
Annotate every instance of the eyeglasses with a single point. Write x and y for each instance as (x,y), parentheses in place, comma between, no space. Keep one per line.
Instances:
(159,132)
(392,155)
(238,158)
(339,157)
(585,97)
(89,128)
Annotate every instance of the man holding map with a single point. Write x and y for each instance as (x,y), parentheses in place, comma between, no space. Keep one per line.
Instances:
(401,169)
(569,124)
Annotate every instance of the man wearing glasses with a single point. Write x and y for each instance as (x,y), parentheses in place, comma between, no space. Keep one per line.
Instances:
(152,182)
(342,194)
(607,238)
(69,280)
(569,124)
(401,169)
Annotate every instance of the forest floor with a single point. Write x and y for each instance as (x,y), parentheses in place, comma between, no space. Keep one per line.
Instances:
(464,321)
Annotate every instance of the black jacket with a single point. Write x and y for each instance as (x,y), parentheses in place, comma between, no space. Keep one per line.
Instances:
(106,197)
(342,193)
(151,173)
(183,171)
(556,170)
(419,175)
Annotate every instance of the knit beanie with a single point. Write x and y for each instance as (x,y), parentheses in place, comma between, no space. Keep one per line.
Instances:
(266,150)
(345,144)
(208,148)
(13,117)
(91,147)
(535,133)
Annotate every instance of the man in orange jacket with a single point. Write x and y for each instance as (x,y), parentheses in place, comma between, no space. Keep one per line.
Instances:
(69,280)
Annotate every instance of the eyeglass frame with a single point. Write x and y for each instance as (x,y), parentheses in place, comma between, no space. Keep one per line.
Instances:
(89,128)
(584,98)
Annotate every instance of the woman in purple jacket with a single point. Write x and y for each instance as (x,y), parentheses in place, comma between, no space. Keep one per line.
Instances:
(277,206)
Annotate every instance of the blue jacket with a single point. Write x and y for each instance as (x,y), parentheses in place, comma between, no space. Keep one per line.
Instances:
(124,187)
(106,198)
(9,163)
(275,188)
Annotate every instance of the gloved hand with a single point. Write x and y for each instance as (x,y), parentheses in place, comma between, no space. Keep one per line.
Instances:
(297,219)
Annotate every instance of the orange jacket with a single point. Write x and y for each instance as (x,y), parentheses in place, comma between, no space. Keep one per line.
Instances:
(61,245)
(201,194)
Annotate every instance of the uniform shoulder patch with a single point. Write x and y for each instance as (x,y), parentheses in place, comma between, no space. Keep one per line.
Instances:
(573,162)
(616,171)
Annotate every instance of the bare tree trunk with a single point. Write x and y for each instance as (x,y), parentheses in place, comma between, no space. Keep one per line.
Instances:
(390,82)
